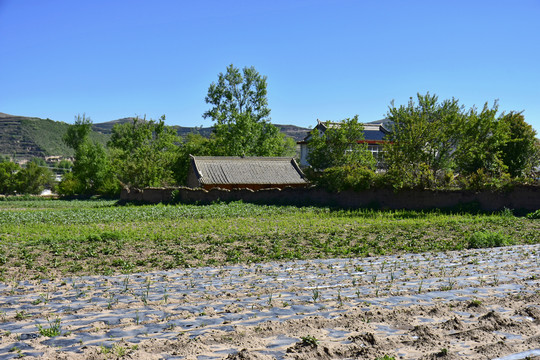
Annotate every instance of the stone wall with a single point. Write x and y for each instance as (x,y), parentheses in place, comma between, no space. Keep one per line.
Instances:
(520,198)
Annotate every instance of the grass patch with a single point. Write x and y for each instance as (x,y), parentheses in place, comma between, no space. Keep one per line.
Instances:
(486,239)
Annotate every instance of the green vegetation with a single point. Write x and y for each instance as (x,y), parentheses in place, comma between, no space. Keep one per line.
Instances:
(25,137)
(534,215)
(242,117)
(53,329)
(485,239)
(92,171)
(431,145)
(309,340)
(338,161)
(30,179)
(147,153)
(54,238)
(339,146)
(144,153)
(436,144)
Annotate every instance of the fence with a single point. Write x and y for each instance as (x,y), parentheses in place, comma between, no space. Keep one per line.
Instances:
(525,198)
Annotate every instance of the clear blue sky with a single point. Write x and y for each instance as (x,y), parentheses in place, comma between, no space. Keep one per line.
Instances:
(323,59)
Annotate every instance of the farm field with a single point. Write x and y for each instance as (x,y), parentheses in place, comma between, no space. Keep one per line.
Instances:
(241,281)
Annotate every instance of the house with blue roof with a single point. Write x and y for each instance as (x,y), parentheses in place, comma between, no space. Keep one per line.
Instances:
(374,136)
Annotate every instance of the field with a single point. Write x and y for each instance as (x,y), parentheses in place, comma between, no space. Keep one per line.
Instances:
(243,281)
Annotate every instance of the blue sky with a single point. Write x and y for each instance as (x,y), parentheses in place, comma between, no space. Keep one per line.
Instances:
(323,59)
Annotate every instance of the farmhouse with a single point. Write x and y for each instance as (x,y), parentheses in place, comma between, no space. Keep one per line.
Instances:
(254,173)
(374,133)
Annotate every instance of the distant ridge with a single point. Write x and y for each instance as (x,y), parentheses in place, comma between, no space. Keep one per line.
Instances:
(293,131)
(23,138)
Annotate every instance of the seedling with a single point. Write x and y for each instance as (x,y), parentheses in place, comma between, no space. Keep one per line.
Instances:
(309,341)
(315,295)
(119,350)
(21,315)
(53,329)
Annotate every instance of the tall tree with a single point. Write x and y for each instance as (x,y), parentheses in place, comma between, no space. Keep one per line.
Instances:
(144,152)
(242,117)
(78,133)
(422,140)
(521,152)
(8,177)
(479,149)
(92,172)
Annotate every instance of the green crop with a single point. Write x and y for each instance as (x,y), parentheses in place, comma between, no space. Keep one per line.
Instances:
(51,238)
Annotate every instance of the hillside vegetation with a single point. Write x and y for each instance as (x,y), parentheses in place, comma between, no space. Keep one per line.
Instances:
(28,137)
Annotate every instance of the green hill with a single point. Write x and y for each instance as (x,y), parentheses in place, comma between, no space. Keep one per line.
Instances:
(23,138)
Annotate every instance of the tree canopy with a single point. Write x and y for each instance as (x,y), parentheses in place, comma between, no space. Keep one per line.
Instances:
(521,150)
(78,134)
(338,158)
(144,152)
(435,144)
(241,116)
(92,172)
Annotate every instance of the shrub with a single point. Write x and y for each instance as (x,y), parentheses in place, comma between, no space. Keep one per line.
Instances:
(534,215)
(346,177)
(484,180)
(486,239)
(69,185)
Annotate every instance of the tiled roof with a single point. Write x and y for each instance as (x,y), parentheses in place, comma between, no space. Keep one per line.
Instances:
(373,131)
(247,170)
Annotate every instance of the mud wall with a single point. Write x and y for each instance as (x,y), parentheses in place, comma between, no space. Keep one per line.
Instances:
(519,198)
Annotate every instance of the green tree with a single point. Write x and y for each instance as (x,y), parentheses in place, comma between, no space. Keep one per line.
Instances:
(64,165)
(144,152)
(8,177)
(339,159)
(424,135)
(242,117)
(481,139)
(33,179)
(78,134)
(520,152)
(339,145)
(92,171)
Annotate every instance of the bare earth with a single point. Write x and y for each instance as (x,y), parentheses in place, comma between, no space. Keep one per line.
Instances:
(475,304)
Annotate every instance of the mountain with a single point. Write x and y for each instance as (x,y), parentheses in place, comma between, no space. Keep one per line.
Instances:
(23,138)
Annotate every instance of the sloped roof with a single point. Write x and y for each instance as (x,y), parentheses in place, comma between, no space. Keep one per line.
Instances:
(212,170)
(373,131)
